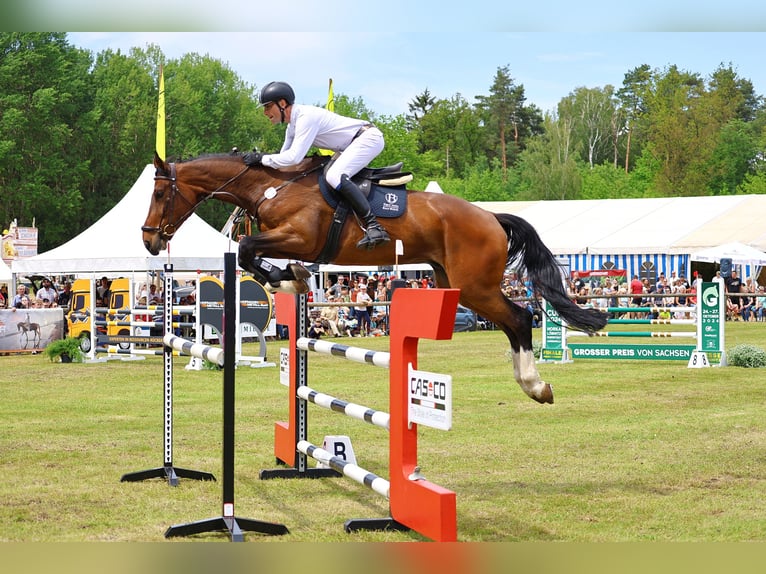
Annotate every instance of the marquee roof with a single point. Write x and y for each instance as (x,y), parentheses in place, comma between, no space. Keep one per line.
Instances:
(668,225)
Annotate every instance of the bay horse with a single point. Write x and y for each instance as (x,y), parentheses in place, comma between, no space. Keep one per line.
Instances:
(468,248)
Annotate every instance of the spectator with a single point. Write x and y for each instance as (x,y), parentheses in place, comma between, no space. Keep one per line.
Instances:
(22,303)
(142,293)
(600,302)
(734,299)
(718,277)
(336,289)
(21,291)
(361,311)
(103,294)
(316,330)
(154,297)
(577,287)
(65,296)
(636,290)
(760,303)
(329,316)
(648,288)
(47,291)
(733,311)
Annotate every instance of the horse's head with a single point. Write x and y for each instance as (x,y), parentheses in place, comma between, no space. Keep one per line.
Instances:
(179,190)
(167,210)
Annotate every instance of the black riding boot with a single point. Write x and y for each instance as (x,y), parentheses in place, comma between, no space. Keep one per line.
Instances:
(374,233)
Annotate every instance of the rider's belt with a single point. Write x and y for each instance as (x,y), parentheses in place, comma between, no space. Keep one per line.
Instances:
(363,129)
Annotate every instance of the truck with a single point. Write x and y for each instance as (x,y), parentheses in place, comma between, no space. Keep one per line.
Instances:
(78,317)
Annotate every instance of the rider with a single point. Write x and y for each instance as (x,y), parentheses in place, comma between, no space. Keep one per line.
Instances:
(358,142)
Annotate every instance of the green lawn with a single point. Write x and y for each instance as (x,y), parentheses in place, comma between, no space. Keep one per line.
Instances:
(630,451)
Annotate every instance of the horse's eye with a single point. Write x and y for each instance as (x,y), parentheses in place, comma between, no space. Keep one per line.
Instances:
(159,193)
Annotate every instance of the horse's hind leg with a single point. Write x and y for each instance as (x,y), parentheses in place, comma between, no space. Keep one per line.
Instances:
(516,322)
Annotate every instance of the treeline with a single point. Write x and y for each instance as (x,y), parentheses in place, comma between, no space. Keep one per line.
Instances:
(77,128)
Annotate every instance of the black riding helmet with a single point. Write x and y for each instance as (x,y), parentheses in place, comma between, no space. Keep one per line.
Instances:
(275,91)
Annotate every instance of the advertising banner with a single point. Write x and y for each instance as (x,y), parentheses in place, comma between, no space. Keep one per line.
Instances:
(30,329)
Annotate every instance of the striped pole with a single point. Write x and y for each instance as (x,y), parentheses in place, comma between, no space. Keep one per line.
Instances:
(358,412)
(354,472)
(356,354)
(650,309)
(212,354)
(688,334)
(652,321)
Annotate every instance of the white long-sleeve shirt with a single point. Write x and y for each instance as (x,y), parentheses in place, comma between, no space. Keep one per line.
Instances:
(313,126)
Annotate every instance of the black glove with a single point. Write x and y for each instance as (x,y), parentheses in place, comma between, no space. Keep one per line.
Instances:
(252,158)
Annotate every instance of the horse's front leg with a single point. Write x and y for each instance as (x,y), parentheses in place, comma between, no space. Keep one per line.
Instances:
(274,278)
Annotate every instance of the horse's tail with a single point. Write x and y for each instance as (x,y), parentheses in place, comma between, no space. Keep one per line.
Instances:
(529,254)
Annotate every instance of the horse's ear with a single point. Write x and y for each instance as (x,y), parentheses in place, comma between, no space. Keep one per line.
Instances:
(158,163)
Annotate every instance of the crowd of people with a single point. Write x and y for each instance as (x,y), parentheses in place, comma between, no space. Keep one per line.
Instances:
(357,307)
(47,296)
(51,295)
(745,301)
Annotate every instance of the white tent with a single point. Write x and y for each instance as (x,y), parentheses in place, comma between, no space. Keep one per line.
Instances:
(114,243)
(641,234)
(739,253)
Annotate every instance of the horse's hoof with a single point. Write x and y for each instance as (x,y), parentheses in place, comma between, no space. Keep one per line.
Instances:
(299,272)
(546,395)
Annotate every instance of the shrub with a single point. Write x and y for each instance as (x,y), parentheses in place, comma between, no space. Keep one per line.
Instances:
(66,350)
(746,356)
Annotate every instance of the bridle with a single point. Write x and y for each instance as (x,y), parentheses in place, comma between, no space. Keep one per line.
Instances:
(168,230)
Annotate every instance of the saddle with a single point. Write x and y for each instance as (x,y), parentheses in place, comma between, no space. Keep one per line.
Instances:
(385,189)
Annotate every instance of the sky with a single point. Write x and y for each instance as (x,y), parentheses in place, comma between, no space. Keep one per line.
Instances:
(389,69)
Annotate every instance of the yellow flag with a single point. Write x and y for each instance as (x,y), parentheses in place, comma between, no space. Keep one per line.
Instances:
(160,143)
(330,99)
(331,107)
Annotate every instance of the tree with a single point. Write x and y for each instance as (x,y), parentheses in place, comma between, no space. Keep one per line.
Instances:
(547,167)
(45,123)
(419,107)
(679,133)
(504,113)
(632,99)
(451,131)
(732,157)
(592,111)
(125,104)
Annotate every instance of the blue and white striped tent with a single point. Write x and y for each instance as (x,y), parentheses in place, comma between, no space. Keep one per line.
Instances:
(643,236)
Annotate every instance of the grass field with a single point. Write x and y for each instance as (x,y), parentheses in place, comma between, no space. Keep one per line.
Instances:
(630,451)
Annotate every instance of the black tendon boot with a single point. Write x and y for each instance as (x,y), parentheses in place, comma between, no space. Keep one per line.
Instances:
(374,234)
(273,274)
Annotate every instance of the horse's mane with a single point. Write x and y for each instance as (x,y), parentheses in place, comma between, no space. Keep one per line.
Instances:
(305,164)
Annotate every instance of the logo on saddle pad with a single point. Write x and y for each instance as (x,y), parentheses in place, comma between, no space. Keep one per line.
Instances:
(390,205)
